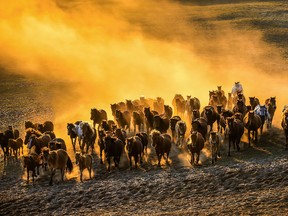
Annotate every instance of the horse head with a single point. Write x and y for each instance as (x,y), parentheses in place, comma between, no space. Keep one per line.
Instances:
(156,136)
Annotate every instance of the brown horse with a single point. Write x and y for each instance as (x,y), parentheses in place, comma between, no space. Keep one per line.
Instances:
(252,122)
(271,106)
(195,144)
(162,144)
(134,149)
(215,141)
(31,162)
(57,143)
(84,161)
(58,159)
(200,125)
(236,130)
(97,116)
(284,124)
(15,145)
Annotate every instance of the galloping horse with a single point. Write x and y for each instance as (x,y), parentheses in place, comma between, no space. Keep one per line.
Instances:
(195,144)
(252,122)
(215,141)
(236,130)
(84,161)
(180,129)
(200,125)
(270,103)
(284,124)
(162,144)
(134,149)
(58,159)
(89,137)
(97,116)
(264,115)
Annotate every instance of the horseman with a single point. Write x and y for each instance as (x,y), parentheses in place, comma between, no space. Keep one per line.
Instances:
(237,88)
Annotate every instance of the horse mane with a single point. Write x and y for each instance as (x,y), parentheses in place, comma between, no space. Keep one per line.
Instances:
(155,133)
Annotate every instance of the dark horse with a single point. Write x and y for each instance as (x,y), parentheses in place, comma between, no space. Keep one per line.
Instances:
(284,124)
(236,130)
(173,122)
(195,144)
(138,120)
(4,138)
(101,141)
(134,149)
(149,115)
(271,106)
(123,119)
(200,125)
(89,137)
(252,122)
(162,144)
(211,115)
(97,116)
(161,123)
(144,139)
(113,147)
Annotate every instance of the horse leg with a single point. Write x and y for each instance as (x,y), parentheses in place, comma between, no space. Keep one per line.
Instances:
(192,158)
(256,135)
(136,160)
(167,161)
(159,159)
(197,158)
(81,173)
(249,138)
(229,147)
(108,160)
(51,178)
(28,175)
(101,161)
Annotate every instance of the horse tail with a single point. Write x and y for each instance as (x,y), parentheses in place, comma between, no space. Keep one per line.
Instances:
(69,165)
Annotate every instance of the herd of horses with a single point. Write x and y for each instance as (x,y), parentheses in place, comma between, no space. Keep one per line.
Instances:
(184,125)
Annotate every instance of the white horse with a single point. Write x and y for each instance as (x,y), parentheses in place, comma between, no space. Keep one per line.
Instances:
(180,130)
(262,111)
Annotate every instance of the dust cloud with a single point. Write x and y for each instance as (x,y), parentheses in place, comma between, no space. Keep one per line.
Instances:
(117,50)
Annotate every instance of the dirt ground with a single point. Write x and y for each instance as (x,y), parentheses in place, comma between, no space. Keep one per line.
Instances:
(253,181)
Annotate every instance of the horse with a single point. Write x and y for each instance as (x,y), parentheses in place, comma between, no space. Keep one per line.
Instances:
(222,121)
(121,134)
(15,145)
(158,105)
(149,115)
(134,148)
(29,133)
(195,114)
(284,124)
(39,142)
(195,144)
(102,134)
(113,147)
(240,107)
(178,104)
(89,137)
(236,130)
(264,115)
(97,116)
(4,138)
(215,141)
(46,126)
(117,106)
(72,133)
(210,114)
(191,104)
(270,103)
(31,162)
(162,144)
(57,159)
(180,129)
(253,102)
(200,125)
(138,120)
(168,111)
(57,143)
(252,122)
(173,122)
(144,139)
(84,161)
(161,123)
(123,119)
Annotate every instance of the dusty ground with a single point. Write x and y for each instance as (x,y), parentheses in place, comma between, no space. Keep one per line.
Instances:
(253,181)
